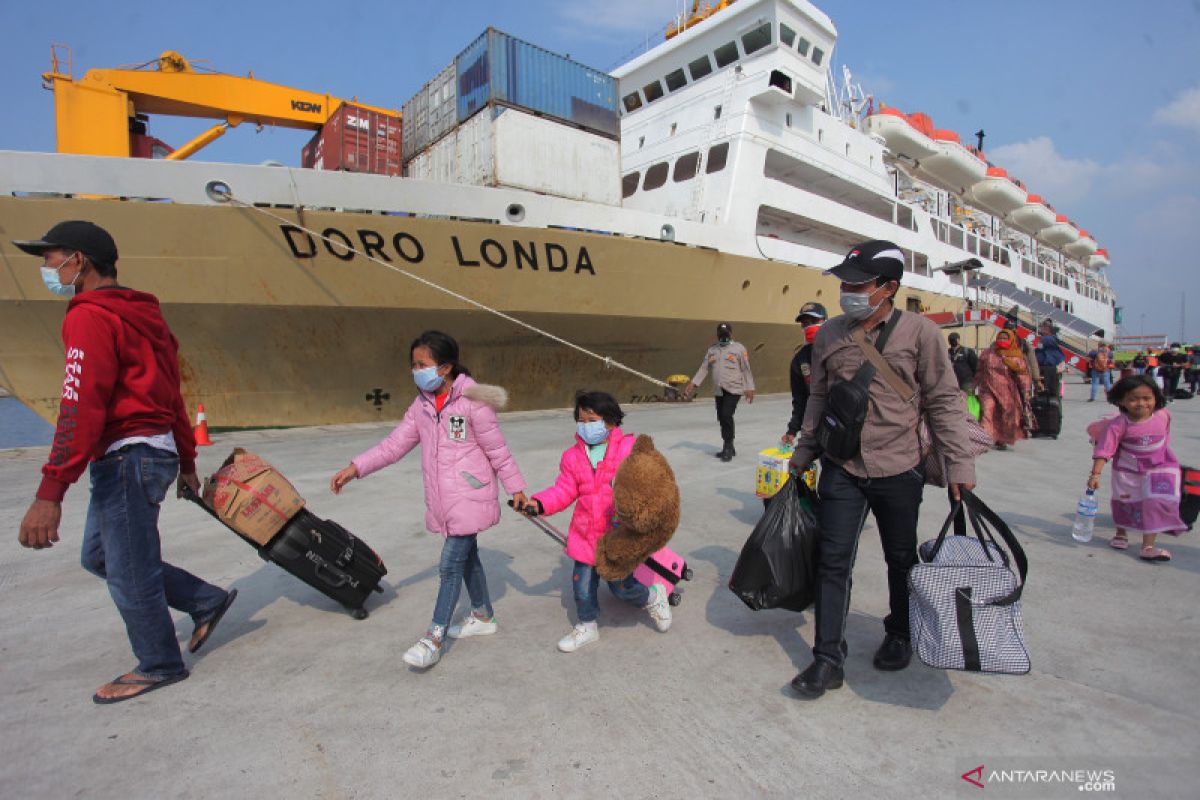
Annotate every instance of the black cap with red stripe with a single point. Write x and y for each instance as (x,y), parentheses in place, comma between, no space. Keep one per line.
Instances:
(869,261)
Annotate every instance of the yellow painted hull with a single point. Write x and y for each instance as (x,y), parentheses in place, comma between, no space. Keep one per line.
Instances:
(278,329)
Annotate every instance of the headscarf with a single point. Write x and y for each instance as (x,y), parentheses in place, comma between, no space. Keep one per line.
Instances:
(1007,348)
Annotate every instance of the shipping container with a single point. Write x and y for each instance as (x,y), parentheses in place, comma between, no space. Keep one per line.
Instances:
(499,69)
(356,139)
(507,147)
(430,113)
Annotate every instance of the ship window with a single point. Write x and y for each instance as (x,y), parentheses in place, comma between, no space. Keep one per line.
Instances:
(817,55)
(653,91)
(632,101)
(675,80)
(757,39)
(656,176)
(786,35)
(912,304)
(803,46)
(700,67)
(726,54)
(780,81)
(717,156)
(629,184)
(685,167)
(716,112)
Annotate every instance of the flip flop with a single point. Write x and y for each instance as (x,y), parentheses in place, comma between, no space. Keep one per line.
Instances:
(1119,543)
(132,679)
(212,621)
(1155,554)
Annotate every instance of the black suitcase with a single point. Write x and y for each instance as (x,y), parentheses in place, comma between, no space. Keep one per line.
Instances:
(1047,414)
(328,558)
(321,553)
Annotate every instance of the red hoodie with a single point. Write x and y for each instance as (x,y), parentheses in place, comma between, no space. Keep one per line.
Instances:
(122,379)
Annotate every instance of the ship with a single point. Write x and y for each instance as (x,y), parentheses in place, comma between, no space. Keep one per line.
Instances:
(571,228)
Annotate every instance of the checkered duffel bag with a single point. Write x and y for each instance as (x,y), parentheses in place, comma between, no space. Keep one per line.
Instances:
(965,598)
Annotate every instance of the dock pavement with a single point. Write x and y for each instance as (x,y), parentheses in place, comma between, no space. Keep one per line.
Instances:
(293,698)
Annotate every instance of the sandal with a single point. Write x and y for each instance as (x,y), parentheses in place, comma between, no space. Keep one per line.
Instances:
(1155,554)
(133,679)
(1119,543)
(210,624)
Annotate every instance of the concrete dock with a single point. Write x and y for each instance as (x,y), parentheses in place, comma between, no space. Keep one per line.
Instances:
(293,698)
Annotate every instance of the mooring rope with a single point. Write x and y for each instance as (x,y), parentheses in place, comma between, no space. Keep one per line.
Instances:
(221,193)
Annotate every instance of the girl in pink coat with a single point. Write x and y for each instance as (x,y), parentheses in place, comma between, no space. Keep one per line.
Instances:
(463,453)
(585,478)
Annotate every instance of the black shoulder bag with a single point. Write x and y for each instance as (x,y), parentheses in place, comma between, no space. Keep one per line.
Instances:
(839,430)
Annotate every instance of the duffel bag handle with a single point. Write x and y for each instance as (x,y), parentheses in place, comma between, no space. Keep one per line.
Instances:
(981,514)
(955,508)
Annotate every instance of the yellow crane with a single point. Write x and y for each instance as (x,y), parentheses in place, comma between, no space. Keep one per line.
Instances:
(98,114)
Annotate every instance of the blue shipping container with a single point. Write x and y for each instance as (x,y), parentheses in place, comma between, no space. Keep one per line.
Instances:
(499,68)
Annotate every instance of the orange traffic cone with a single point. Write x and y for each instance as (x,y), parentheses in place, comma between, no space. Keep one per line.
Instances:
(201,430)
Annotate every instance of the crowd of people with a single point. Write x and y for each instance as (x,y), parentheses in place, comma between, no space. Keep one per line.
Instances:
(865,383)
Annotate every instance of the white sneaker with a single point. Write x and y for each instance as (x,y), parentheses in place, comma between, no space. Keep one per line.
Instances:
(581,634)
(659,607)
(424,654)
(472,626)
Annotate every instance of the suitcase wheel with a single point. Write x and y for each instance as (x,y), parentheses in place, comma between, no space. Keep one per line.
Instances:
(359,613)
(673,598)
(686,574)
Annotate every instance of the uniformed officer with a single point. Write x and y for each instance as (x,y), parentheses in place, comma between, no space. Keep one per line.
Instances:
(811,317)
(730,365)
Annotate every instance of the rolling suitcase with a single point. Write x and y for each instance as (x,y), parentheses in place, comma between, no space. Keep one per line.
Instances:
(321,553)
(1047,413)
(664,566)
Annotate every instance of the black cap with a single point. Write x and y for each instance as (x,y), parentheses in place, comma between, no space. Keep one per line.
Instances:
(870,260)
(953,337)
(815,310)
(723,329)
(76,234)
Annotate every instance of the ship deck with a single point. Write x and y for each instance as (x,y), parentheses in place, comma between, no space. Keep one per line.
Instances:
(294,698)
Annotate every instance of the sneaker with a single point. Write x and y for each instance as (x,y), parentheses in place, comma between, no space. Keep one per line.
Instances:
(424,654)
(659,607)
(472,626)
(581,634)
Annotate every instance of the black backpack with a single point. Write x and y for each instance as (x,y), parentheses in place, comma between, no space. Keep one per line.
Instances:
(839,430)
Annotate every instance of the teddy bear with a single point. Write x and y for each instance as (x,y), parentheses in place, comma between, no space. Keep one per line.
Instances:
(646,505)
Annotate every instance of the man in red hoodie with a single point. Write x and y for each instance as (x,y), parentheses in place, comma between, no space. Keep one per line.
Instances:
(121,411)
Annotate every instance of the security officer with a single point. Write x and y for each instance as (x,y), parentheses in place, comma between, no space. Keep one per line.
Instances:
(730,366)
(811,317)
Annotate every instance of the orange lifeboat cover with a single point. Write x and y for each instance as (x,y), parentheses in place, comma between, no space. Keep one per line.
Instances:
(945,136)
(921,122)
(997,172)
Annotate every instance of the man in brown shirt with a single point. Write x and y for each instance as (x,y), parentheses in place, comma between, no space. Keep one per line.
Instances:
(885,476)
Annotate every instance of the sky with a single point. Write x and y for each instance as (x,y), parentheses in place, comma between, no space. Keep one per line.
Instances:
(1094,104)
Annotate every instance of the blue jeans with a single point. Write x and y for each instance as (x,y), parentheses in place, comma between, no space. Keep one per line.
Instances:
(845,500)
(586,581)
(1098,377)
(460,564)
(121,545)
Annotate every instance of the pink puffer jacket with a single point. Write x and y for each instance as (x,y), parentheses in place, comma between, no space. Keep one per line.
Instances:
(462,453)
(592,488)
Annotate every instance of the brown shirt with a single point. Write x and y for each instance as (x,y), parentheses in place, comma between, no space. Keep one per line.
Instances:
(889,438)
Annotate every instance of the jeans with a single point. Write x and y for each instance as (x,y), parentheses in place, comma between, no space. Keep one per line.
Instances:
(586,581)
(1170,383)
(726,405)
(845,499)
(1098,377)
(460,564)
(121,544)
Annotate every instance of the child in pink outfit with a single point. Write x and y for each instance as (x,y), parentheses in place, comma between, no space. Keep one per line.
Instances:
(1146,475)
(585,478)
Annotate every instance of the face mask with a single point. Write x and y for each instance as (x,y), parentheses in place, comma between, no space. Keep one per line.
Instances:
(723,341)
(592,432)
(427,379)
(50,278)
(857,305)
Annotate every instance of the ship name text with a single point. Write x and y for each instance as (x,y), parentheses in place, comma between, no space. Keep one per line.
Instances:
(467,253)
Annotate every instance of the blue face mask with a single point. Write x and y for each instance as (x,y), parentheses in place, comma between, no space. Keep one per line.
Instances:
(592,432)
(427,379)
(50,278)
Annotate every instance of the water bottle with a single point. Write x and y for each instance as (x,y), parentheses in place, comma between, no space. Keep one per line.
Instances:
(1085,517)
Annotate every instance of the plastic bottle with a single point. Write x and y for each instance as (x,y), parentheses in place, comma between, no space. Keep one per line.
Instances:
(1085,517)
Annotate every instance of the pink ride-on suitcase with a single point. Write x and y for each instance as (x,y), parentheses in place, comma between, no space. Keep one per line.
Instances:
(664,566)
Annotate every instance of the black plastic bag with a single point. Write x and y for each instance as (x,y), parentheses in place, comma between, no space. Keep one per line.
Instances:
(778,564)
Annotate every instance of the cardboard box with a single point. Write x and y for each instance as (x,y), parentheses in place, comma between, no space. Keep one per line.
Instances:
(772,471)
(251,496)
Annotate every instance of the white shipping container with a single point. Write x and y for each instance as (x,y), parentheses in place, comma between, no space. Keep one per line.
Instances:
(506,147)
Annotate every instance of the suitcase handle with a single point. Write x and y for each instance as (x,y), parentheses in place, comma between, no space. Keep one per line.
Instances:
(322,569)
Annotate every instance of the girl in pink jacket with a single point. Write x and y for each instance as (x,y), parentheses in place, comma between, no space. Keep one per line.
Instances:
(585,478)
(463,453)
